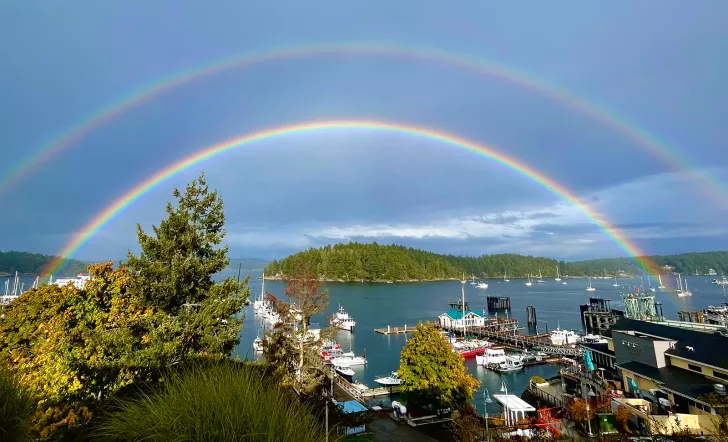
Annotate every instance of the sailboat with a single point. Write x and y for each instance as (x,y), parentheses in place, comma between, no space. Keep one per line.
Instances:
(682,292)
(473,281)
(558,276)
(615,282)
(259,303)
(504,277)
(649,284)
(539,280)
(659,279)
(590,288)
(528,283)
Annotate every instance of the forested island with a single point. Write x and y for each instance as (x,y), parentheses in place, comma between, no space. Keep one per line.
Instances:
(33,263)
(376,263)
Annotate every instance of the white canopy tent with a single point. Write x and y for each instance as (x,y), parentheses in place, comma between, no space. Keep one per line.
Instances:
(512,405)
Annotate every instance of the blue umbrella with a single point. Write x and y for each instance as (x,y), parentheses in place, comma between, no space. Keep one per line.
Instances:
(588,360)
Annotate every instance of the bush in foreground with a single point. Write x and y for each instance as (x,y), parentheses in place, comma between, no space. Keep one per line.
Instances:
(15,410)
(221,402)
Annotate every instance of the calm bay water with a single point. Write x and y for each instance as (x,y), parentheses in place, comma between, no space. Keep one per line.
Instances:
(379,305)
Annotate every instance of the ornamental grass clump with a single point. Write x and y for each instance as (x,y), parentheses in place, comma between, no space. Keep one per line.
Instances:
(221,402)
(15,410)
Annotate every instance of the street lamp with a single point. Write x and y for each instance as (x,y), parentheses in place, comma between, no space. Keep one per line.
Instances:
(588,395)
(486,400)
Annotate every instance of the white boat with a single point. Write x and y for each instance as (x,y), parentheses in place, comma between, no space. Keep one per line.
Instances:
(481,285)
(539,280)
(615,282)
(590,288)
(342,320)
(659,279)
(504,277)
(349,361)
(344,371)
(258,344)
(359,386)
(528,283)
(512,363)
(563,283)
(722,281)
(593,339)
(558,275)
(564,337)
(78,282)
(473,281)
(491,356)
(259,304)
(682,292)
(389,381)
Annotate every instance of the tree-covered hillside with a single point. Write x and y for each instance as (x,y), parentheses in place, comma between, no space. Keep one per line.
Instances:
(34,263)
(374,262)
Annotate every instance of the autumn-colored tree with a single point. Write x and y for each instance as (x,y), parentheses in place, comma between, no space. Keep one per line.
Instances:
(432,374)
(622,415)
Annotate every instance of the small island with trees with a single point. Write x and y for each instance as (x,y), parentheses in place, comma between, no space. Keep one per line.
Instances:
(361,262)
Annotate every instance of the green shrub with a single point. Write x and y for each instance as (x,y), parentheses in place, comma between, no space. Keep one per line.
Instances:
(15,410)
(221,402)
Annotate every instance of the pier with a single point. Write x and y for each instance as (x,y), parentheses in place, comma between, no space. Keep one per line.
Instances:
(498,303)
(394,330)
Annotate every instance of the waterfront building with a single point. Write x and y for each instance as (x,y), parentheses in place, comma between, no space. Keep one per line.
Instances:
(668,371)
(454,319)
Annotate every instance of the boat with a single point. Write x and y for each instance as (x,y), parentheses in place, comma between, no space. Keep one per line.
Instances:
(593,339)
(260,303)
(389,381)
(481,285)
(717,314)
(504,277)
(258,345)
(659,279)
(359,386)
(473,281)
(468,349)
(564,337)
(335,353)
(558,276)
(346,372)
(512,363)
(590,288)
(78,282)
(615,282)
(539,280)
(342,320)
(349,361)
(682,291)
(491,356)
(528,283)
(722,281)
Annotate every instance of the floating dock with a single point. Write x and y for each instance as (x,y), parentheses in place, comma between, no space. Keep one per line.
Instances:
(394,330)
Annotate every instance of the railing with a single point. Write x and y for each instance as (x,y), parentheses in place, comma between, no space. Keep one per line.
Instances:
(588,376)
(548,397)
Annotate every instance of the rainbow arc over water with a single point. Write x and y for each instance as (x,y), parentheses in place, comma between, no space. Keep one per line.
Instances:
(640,137)
(208,152)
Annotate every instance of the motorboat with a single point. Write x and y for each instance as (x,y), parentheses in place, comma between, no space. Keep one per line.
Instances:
(491,356)
(389,381)
(593,339)
(346,372)
(564,337)
(342,320)
(335,353)
(348,361)
(468,349)
(512,363)
(481,285)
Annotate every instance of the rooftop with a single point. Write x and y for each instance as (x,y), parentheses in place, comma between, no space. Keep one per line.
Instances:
(352,407)
(599,348)
(513,402)
(457,314)
(676,380)
(694,345)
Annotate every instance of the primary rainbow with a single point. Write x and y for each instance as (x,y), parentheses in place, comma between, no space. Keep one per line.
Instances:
(637,135)
(210,151)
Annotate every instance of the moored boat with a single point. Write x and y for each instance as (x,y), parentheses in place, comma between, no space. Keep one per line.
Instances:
(342,320)
(389,381)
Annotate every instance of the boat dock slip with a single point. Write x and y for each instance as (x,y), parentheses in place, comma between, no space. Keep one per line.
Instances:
(394,330)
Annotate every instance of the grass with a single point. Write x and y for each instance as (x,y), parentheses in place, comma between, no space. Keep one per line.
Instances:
(15,410)
(225,402)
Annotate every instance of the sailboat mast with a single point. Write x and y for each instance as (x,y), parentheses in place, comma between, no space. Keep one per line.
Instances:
(462,291)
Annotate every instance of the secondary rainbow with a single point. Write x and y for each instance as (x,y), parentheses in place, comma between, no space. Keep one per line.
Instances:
(208,152)
(640,137)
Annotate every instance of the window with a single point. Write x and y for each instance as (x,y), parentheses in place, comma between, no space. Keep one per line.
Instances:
(695,367)
(720,375)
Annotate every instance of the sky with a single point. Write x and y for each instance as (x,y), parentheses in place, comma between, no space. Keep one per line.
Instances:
(658,64)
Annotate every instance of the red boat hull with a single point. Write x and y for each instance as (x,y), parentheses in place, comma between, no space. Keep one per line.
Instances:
(472,353)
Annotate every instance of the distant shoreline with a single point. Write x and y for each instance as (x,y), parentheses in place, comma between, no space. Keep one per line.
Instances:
(414,281)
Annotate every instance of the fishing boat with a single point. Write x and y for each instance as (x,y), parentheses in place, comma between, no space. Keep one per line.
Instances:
(342,320)
(590,288)
(389,381)
(540,280)
(528,283)
(558,276)
(346,372)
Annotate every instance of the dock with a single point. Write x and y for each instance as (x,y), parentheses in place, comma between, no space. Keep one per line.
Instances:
(394,330)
